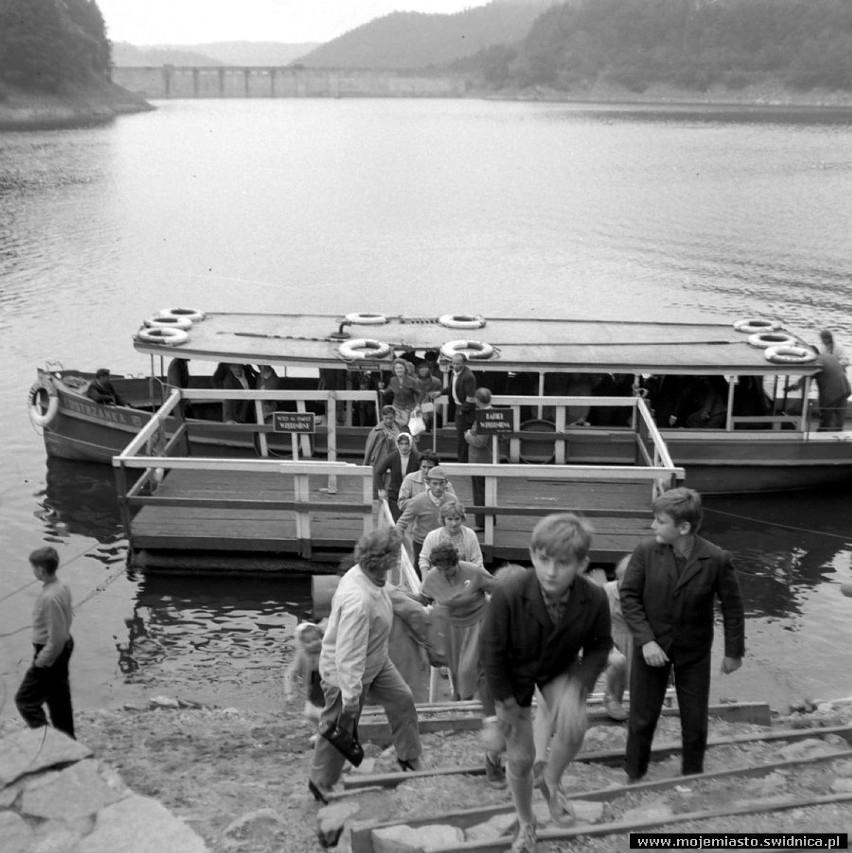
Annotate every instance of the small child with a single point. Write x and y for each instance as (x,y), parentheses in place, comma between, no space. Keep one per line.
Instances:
(617,673)
(305,666)
(537,625)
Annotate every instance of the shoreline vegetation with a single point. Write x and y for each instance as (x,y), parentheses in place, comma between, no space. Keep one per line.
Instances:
(98,102)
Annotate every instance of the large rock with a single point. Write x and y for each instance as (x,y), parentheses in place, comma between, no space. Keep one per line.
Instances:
(142,825)
(76,791)
(31,750)
(403,838)
(498,826)
(15,835)
(807,748)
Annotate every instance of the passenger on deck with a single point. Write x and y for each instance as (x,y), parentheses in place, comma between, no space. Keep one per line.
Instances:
(390,470)
(430,389)
(462,389)
(827,344)
(381,439)
(101,390)
(711,391)
(415,484)
(422,514)
(240,377)
(403,391)
(479,452)
(268,381)
(834,390)
(177,374)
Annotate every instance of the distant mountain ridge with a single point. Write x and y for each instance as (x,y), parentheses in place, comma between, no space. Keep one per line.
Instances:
(213,54)
(416,40)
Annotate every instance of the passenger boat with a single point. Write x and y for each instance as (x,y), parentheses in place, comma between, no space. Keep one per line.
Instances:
(562,380)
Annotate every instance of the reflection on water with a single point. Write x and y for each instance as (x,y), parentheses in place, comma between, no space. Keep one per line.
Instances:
(79,498)
(211,636)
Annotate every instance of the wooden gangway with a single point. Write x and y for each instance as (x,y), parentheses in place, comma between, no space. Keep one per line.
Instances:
(198,513)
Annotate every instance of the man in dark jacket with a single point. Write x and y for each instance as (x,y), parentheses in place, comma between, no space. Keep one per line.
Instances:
(390,470)
(667,599)
(536,626)
(101,389)
(462,390)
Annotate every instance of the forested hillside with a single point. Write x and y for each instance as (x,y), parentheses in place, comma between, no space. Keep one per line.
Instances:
(416,40)
(44,43)
(690,44)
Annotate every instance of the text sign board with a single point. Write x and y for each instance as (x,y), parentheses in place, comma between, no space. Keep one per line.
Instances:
(493,420)
(365,366)
(293,422)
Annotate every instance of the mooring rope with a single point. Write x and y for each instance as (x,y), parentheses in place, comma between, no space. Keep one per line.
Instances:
(847,536)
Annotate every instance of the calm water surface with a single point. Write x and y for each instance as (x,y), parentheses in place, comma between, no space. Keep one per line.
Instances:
(403,206)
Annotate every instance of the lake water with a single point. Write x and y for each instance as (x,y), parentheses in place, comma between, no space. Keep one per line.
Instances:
(403,206)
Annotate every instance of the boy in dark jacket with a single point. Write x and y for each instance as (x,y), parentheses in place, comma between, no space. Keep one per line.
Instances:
(667,599)
(538,623)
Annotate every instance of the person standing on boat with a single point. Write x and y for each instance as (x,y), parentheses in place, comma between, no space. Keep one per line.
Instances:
(828,345)
(381,440)
(462,390)
(46,681)
(430,390)
(667,599)
(834,390)
(390,470)
(415,484)
(355,663)
(403,391)
(240,377)
(422,514)
(101,390)
(479,451)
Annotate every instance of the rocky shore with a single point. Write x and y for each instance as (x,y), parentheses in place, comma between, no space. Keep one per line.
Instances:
(234,781)
(75,105)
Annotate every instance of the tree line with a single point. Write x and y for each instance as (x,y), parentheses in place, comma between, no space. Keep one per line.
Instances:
(691,44)
(46,42)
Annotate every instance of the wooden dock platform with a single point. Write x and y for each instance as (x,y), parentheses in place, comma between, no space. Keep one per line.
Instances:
(187,513)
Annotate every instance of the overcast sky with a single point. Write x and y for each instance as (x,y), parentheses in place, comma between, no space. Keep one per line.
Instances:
(145,22)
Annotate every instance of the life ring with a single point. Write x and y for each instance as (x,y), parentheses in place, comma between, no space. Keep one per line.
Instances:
(772,339)
(366,319)
(754,325)
(41,412)
(462,321)
(168,322)
(472,349)
(361,348)
(162,335)
(785,354)
(186,313)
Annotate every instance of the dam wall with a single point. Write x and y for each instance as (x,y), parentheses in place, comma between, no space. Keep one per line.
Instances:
(172,81)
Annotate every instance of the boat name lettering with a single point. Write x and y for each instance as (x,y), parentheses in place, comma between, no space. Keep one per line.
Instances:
(102,413)
(293,422)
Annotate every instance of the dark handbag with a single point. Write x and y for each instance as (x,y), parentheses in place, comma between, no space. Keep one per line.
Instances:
(345,743)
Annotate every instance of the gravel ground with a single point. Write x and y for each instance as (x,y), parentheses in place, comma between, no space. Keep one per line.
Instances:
(239,778)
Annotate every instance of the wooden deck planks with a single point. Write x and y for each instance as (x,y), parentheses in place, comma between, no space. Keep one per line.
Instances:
(209,509)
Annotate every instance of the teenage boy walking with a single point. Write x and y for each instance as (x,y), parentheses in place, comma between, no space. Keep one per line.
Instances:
(46,681)
(537,623)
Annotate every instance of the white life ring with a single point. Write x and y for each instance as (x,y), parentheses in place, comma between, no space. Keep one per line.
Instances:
(366,319)
(168,322)
(361,348)
(41,414)
(472,349)
(754,325)
(462,321)
(162,335)
(763,340)
(186,313)
(784,354)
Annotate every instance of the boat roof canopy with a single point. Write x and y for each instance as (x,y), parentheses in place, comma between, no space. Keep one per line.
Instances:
(546,345)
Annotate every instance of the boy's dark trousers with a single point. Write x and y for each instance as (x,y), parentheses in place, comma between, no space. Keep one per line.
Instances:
(647,693)
(48,685)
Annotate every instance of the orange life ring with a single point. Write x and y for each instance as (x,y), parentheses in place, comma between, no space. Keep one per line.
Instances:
(472,349)
(361,348)
(790,355)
